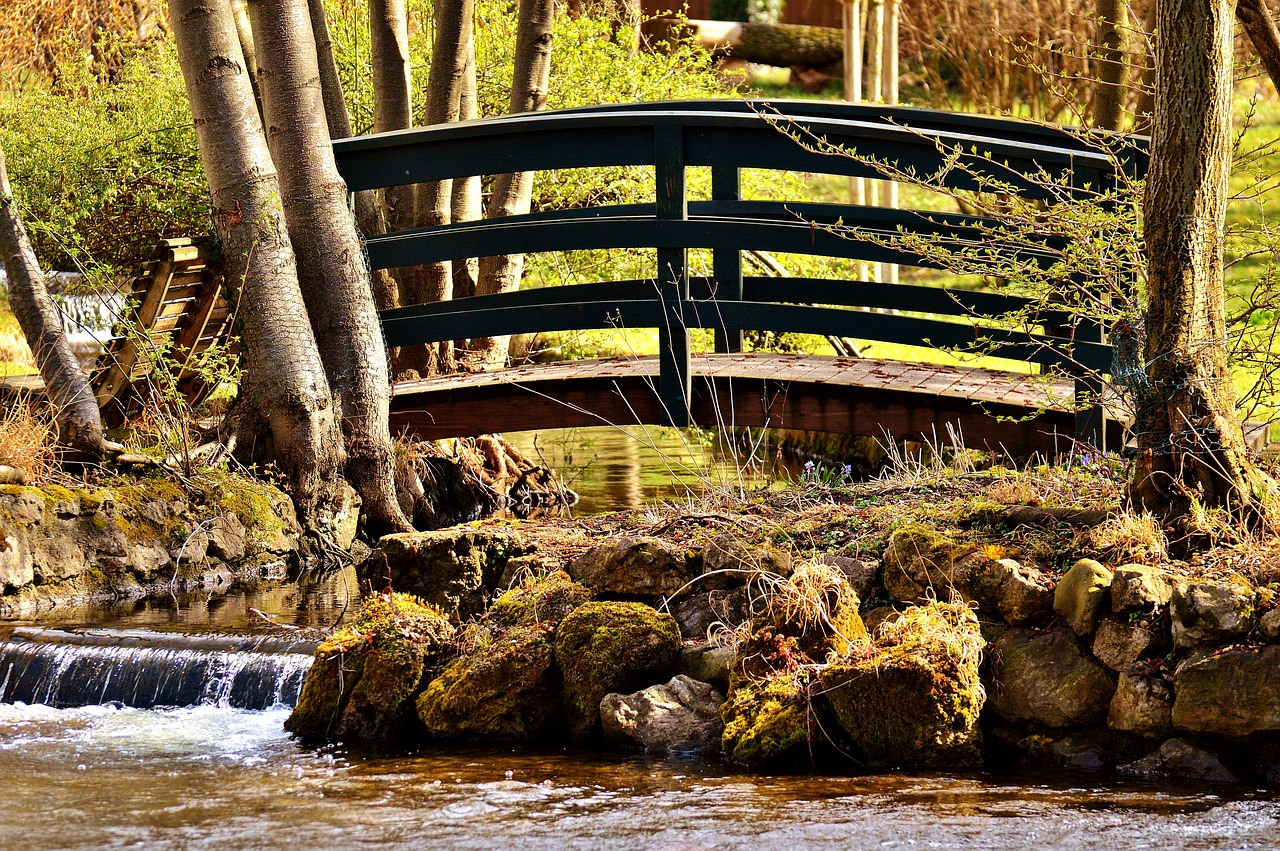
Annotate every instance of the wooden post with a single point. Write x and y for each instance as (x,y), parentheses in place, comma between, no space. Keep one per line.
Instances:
(674,382)
(727,263)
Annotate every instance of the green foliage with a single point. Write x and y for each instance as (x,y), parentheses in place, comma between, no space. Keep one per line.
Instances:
(104,168)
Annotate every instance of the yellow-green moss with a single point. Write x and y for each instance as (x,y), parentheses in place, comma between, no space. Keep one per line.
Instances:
(264,511)
(538,600)
(766,722)
(611,647)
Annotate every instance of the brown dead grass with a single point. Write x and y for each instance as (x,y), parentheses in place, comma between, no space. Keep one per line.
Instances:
(27,441)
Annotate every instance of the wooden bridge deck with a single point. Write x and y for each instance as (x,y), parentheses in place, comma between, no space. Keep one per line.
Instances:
(807,392)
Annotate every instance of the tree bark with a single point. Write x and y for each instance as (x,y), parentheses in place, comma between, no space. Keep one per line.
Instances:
(369,214)
(392,101)
(75,409)
(433,206)
(331,266)
(513,193)
(1191,442)
(285,388)
(1258,24)
(467,204)
(1113,66)
(244,30)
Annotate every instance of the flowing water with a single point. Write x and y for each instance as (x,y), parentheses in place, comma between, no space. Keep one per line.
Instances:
(187,766)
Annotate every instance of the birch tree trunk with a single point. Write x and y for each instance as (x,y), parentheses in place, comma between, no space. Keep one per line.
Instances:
(1113,65)
(369,214)
(75,409)
(331,266)
(285,392)
(513,193)
(434,202)
(1192,445)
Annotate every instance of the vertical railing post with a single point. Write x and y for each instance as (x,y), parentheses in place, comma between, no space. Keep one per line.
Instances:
(726,264)
(674,382)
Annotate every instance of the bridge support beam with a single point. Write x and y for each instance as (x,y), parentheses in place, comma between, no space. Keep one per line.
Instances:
(675,385)
(726,264)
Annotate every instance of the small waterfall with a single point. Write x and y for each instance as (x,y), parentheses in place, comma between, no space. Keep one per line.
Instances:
(144,668)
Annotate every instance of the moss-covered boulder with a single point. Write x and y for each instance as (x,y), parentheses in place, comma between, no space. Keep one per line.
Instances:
(1212,611)
(922,563)
(1047,678)
(766,721)
(607,647)
(913,698)
(1234,694)
(538,600)
(635,567)
(503,688)
(455,569)
(816,606)
(727,560)
(367,675)
(1081,595)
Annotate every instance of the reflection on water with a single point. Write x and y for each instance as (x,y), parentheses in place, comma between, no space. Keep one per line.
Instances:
(615,469)
(231,779)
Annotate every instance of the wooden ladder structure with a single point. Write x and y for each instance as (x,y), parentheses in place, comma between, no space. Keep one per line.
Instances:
(175,304)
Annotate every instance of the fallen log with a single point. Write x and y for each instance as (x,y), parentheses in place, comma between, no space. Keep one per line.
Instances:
(784,45)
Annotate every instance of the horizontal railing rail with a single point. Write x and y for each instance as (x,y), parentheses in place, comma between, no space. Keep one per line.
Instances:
(958,151)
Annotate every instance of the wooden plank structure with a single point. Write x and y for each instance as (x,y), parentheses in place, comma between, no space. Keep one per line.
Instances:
(959,150)
(176,304)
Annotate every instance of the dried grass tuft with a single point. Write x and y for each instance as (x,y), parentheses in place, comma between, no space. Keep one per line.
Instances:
(28,442)
(1129,537)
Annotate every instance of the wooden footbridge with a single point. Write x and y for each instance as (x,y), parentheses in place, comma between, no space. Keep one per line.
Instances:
(1018,412)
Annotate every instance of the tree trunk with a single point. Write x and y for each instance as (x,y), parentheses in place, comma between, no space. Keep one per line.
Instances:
(434,203)
(74,407)
(1192,446)
(392,102)
(1113,67)
(244,31)
(285,388)
(1146,106)
(513,193)
(467,205)
(331,265)
(369,214)
(1258,24)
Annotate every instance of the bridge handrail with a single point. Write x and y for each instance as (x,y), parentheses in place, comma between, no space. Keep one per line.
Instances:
(960,151)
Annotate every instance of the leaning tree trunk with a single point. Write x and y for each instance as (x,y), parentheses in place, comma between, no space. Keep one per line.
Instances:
(1113,67)
(369,214)
(1258,24)
(434,281)
(1191,443)
(331,265)
(74,407)
(285,389)
(513,193)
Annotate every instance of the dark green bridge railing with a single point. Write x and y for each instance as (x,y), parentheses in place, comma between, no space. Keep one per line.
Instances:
(1036,161)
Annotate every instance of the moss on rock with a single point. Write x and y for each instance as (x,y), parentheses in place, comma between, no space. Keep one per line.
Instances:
(545,600)
(367,675)
(503,689)
(766,721)
(611,647)
(914,698)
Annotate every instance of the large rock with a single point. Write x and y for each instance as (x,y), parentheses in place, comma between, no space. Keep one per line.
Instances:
(1143,706)
(700,612)
(1118,644)
(728,561)
(367,675)
(1080,595)
(1139,587)
(1270,624)
(611,647)
(542,600)
(766,721)
(454,569)
(1212,611)
(504,689)
(817,607)
(863,573)
(1178,759)
(707,663)
(1019,594)
(915,698)
(1234,693)
(682,715)
(1046,678)
(922,563)
(636,567)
